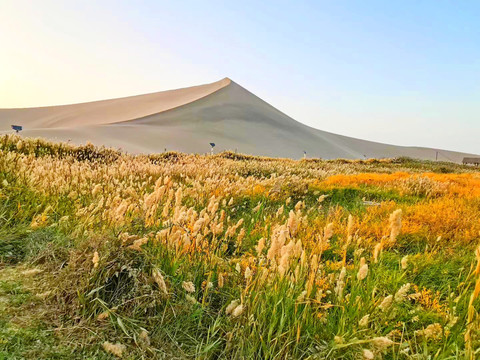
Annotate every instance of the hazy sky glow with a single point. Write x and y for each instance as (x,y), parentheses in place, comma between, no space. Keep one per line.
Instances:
(401,72)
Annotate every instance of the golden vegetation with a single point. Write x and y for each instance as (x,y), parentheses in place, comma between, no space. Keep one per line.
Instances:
(236,256)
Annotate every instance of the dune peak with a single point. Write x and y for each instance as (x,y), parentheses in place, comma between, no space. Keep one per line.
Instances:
(190,118)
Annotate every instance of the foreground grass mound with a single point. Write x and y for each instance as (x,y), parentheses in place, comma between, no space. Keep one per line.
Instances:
(107,255)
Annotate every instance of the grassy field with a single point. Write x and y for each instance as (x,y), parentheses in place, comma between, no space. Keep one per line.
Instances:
(173,256)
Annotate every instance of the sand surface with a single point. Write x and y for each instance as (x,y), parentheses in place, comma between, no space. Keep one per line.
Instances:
(189,119)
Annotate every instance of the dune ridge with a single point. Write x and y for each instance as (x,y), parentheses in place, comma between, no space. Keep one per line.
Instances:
(188,119)
(108,111)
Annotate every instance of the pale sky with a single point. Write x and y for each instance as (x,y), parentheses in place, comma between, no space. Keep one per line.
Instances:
(400,72)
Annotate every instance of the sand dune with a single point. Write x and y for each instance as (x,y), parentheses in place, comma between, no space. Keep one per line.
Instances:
(107,111)
(189,119)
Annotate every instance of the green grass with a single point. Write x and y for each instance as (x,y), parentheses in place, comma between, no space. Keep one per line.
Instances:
(201,330)
(26,328)
(25,245)
(277,323)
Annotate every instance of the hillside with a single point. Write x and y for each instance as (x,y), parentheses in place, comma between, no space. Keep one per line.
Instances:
(187,120)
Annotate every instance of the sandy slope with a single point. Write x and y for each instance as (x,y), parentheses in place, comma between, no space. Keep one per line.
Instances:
(189,119)
(106,111)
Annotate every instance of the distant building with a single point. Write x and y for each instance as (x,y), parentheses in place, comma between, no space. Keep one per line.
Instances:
(471,161)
